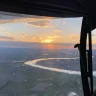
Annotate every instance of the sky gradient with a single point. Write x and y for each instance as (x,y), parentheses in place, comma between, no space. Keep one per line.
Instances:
(40,29)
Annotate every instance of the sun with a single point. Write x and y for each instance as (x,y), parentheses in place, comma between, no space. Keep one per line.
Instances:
(47,41)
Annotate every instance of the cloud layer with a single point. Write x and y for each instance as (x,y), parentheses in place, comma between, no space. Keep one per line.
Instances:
(41,24)
(57,31)
(35,21)
(6,38)
(74,36)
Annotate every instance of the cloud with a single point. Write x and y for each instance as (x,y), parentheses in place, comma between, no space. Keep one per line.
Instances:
(48,39)
(40,24)
(57,31)
(30,20)
(23,35)
(6,38)
(2,28)
(14,18)
(74,36)
(53,37)
(93,34)
(64,22)
(27,38)
(36,21)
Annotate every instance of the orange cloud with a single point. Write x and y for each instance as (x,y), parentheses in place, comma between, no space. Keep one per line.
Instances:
(4,38)
(49,39)
(24,35)
(40,24)
(57,31)
(52,37)
(15,18)
(74,36)
(46,41)
(64,22)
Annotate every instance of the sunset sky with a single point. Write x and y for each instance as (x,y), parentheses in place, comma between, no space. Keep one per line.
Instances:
(40,29)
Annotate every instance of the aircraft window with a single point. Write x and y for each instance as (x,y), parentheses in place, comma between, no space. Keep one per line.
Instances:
(94,57)
(37,56)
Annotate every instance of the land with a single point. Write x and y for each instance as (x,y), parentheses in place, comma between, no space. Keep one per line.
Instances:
(18,79)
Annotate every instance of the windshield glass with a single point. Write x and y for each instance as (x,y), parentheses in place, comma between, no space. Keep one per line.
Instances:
(94,57)
(37,56)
